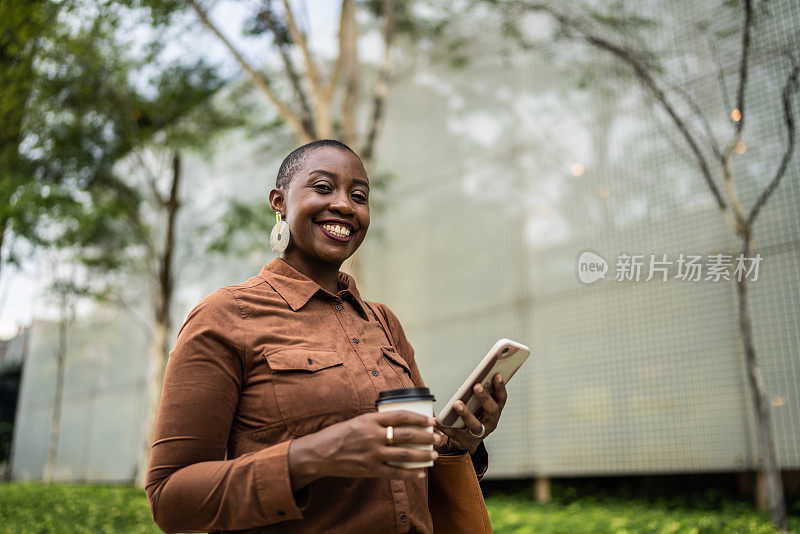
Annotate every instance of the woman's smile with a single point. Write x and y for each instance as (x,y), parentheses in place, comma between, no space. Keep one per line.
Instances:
(337,229)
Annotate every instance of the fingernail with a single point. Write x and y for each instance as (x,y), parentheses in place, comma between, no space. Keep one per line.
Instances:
(434,455)
(478,388)
(431,421)
(421,474)
(500,378)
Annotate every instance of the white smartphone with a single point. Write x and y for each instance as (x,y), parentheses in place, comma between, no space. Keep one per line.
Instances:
(505,357)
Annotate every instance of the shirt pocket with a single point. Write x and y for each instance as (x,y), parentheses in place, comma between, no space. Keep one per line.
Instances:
(400,367)
(312,389)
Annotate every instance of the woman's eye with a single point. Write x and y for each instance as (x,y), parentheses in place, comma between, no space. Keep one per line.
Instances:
(322,187)
(359,197)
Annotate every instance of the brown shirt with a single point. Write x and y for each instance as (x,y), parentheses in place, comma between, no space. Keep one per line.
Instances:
(256,365)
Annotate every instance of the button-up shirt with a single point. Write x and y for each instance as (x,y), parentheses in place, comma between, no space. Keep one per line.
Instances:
(255,366)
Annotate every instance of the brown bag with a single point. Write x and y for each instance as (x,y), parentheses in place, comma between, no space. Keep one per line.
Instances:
(455,499)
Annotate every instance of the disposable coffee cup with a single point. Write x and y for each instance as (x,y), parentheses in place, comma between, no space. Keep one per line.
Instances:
(417,400)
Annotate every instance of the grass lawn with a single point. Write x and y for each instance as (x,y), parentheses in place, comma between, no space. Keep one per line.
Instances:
(65,508)
(515,514)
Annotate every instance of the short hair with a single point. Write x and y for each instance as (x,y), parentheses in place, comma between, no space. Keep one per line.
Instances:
(297,157)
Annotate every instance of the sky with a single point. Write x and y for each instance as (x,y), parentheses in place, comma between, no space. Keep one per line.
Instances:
(23,290)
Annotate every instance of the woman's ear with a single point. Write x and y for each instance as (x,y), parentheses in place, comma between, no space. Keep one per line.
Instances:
(277,200)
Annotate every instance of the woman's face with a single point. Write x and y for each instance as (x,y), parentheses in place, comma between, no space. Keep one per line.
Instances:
(326,206)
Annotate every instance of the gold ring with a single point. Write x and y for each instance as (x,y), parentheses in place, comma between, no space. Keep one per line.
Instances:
(390,435)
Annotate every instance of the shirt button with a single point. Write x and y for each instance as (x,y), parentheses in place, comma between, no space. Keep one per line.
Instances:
(355,340)
(281,512)
(403,518)
(338,307)
(310,361)
(374,372)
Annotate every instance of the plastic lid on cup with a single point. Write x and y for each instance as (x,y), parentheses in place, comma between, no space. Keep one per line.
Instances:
(404,395)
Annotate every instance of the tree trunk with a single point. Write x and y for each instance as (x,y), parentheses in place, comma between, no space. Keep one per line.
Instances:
(159,345)
(55,419)
(324,125)
(381,88)
(349,51)
(769,464)
(158,361)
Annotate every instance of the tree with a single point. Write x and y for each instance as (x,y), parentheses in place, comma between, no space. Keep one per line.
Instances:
(58,147)
(311,104)
(309,111)
(146,244)
(613,34)
(56,158)
(25,25)
(101,150)
(65,292)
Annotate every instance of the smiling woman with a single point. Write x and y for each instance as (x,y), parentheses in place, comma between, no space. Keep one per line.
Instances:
(267,419)
(322,191)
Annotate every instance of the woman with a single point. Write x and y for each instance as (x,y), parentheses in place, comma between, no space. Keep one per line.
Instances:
(267,418)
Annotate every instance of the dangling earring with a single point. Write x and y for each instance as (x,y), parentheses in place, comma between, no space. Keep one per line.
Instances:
(279,237)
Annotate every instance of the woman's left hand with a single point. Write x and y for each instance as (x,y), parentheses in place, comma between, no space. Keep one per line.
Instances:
(465,438)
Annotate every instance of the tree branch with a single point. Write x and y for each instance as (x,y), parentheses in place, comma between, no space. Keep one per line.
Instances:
(150,178)
(135,220)
(340,58)
(294,78)
(140,229)
(730,189)
(788,90)
(726,99)
(349,55)
(258,79)
(645,78)
(727,175)
(747,25)
(695,107)
(664,130)
(381,83)
(299,39)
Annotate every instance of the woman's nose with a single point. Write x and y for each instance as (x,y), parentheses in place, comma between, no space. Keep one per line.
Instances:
(342,205)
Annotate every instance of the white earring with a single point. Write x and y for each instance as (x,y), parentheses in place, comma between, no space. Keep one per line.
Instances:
(279,237)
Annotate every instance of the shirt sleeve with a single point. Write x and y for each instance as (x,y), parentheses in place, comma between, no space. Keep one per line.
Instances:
(480,459)
(190,484)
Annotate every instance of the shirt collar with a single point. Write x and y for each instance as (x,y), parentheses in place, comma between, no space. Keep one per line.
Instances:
(297,289)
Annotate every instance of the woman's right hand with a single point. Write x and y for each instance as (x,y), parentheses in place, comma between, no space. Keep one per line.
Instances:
(358,448)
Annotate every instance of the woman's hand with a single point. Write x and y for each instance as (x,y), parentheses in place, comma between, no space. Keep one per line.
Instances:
(358,448)
(492,408)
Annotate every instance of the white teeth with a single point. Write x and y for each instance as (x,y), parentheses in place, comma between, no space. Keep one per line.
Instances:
(337,230)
